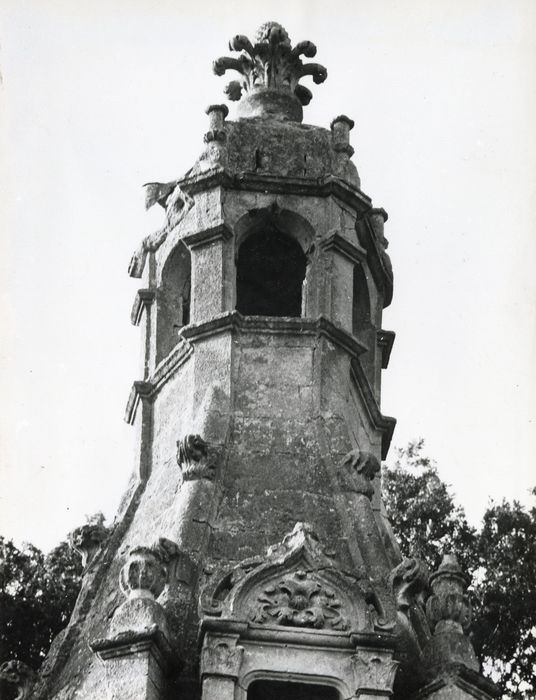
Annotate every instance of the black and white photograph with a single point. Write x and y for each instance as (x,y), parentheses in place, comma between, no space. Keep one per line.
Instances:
(268,303)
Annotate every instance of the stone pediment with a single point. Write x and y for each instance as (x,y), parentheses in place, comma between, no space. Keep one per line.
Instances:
(295,585)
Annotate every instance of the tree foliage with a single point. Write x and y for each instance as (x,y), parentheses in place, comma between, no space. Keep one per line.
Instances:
(37,595)
(500,556)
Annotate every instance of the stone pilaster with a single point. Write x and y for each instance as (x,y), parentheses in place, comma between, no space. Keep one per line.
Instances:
(221,659)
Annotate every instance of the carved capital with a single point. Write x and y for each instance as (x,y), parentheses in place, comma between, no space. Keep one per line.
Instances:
(193,458)
(357,471)
(374,672)
(87,539)
(221,657)
(20,675)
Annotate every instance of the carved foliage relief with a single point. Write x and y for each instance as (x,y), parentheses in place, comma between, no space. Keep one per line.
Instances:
(299,599)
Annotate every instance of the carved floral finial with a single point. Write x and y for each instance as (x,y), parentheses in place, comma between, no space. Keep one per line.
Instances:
(271,70)
(20,675)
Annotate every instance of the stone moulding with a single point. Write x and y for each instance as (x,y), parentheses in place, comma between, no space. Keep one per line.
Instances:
(385,339)
(470,682)
(294,586)
(354,253)
(378,259)
(384,424)
(206,236)
(140,390)
(129,643)
(144,298)
(148,389)
(235,322)
(278,184)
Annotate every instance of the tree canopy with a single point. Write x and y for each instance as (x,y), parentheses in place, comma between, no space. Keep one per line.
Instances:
(37,595)
(500,556)
(38,592)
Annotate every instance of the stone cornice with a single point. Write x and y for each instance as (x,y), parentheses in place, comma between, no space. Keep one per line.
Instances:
(170,364)
(234,322)
(466,679)
(376,258)
(354,253)
(274,325)
(148,389)
(277,184)
(201,238)
(289,635)
(144,298)
(385,424)
(385,340)
(140,390)
(151,641)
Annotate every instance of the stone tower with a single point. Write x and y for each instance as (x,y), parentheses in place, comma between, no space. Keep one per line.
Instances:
(251,558)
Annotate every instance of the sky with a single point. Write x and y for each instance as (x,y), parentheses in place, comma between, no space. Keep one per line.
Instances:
(99,97)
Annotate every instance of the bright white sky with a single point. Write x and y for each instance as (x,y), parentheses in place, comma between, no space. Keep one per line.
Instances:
(101,96)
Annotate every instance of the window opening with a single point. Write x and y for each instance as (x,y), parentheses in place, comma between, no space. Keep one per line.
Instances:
(270,273)
(285,690)
(174,298)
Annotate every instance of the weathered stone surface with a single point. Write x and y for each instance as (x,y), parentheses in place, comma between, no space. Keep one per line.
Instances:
(246,425)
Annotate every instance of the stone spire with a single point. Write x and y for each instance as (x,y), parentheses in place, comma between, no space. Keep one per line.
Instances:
(271,70)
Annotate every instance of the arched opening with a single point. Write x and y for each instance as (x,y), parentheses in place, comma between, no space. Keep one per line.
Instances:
(173,299)
(288,690)
(270,273)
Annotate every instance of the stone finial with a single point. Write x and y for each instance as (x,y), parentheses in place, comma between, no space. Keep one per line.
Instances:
(358,471)
(340,131)
(193,458)
(449,614)
(448,607)
(216,115)
(271,70)
(145,573)
(87,539)
(20,675)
